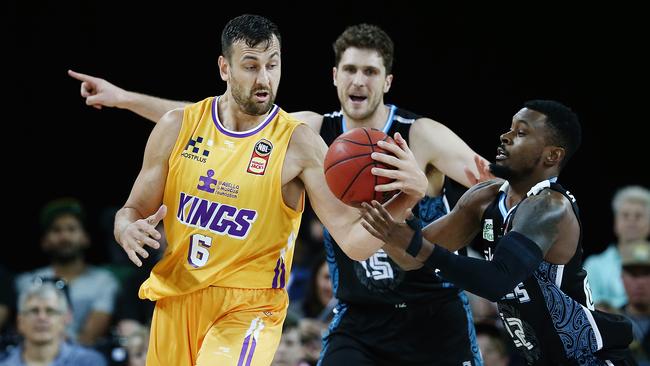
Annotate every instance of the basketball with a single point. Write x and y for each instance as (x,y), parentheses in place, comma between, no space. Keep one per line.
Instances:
(348,164)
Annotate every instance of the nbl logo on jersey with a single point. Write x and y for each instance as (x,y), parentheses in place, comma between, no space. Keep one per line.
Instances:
(260,157)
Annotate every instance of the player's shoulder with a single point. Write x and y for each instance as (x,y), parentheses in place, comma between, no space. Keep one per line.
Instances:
(427,126)
(303,137)
(548,198)
(172,121)
(481,194)
(312,119)
(488,188)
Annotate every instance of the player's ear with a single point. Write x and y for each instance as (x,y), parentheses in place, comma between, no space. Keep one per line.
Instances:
(334,75)
(388,82)
(223,68)
(554,156)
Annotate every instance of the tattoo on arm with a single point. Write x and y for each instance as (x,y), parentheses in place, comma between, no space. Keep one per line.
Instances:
(539,218)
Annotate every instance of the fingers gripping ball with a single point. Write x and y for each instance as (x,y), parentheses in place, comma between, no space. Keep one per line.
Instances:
(348,164)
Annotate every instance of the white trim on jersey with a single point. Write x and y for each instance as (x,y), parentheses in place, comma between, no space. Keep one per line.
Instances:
(558,275)
(333,114)
(594,326)
(407,121)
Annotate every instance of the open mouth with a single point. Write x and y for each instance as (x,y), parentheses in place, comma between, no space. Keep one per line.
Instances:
(502,154)
(262,96)
(358,98)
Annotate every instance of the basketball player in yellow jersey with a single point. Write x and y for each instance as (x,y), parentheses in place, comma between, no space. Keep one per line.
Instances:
(228,176)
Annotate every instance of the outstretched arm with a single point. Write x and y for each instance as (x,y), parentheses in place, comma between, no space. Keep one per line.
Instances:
(434,144)
(101,93)
(453,231)
(519,253)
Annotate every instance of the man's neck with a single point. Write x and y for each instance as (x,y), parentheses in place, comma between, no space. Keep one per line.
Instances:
(518,189)
(71,270)
(375,120)
(233,118)
(41,354)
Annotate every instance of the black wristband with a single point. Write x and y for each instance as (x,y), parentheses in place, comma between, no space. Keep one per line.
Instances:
(416,241)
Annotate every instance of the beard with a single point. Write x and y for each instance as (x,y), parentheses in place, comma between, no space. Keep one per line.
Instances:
(511,175)
(64,256)
(501,171)
(247,100)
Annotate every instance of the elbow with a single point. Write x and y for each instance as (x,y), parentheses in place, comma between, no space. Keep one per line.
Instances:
(494,296)
(355,253)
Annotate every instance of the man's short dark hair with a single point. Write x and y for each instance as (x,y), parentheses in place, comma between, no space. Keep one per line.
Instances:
(365,36)
(565,128)
(250,28)
(59,207)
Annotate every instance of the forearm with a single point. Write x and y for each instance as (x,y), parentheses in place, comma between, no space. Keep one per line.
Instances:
(363,243)
(515,259)
(147,106)
(405,261)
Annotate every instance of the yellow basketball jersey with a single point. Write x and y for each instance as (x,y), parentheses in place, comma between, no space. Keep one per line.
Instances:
(227,224)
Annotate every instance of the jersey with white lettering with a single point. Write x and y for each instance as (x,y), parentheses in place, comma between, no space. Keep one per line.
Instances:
(550,316)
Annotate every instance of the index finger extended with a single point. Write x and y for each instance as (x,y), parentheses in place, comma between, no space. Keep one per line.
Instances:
(79,76)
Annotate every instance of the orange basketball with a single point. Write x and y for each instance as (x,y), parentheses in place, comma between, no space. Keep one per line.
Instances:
(348,164)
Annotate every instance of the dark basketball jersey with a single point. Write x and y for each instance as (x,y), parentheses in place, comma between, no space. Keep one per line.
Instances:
(379,280)
(550,316)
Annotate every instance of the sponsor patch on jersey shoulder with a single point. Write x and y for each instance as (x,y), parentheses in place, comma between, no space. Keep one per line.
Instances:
(260,157)
(488,230)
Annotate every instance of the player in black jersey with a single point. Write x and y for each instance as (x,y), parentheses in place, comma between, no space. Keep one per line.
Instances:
(529,231)
(379,303)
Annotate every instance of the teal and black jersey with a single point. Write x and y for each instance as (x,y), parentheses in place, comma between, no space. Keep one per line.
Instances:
(379,280)
(550,316)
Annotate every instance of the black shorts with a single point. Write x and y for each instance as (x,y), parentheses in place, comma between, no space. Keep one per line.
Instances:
(436,333)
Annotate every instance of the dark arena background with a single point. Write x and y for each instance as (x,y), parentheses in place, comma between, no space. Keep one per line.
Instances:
(468,67)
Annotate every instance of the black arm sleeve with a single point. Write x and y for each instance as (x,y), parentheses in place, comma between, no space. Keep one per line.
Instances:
(515,259)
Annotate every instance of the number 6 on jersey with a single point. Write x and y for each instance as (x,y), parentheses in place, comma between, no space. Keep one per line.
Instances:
(198,254)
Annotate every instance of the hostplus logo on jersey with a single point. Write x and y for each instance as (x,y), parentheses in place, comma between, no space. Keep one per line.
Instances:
(197,150)
(260,157)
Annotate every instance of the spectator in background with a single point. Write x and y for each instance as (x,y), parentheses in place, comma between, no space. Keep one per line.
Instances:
(494,348)
(7,297)
(635,259)
(290,351)
(92,290)
(319,299)
(631,205)
(7,304)
(43,312)
(484,310)
(311,334)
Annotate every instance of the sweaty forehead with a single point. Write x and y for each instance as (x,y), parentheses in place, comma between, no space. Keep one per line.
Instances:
(362,57)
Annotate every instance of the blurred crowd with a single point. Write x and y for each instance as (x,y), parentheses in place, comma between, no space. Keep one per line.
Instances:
(73,312)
